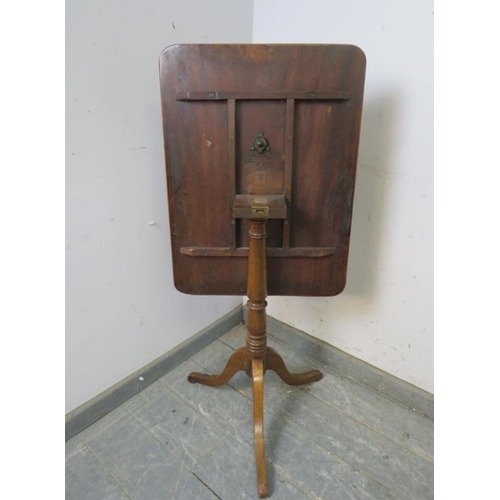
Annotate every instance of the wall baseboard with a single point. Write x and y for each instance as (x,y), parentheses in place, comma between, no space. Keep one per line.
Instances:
(85,415)
(351,367)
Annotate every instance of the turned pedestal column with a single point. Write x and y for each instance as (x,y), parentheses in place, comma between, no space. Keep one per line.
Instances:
(255,358)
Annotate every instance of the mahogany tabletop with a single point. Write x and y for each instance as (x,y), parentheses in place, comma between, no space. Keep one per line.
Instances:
(266,120)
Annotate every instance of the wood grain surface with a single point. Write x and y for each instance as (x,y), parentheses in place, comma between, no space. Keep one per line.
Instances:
(306,100)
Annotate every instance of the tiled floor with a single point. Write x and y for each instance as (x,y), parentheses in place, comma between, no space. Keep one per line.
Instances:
(333,439)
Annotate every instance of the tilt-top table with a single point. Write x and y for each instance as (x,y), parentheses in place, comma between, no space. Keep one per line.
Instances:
(261,144)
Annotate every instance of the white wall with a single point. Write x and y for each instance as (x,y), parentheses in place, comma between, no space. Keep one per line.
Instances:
(385,314)
(122,310)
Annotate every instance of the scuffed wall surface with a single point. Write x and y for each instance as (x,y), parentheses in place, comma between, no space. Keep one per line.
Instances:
(385,314)
(122,309)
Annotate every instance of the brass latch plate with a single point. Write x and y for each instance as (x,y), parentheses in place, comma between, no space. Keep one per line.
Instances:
(256,210)
(264,206)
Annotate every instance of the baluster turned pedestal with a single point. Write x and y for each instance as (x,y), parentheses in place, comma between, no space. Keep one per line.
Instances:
(255,358)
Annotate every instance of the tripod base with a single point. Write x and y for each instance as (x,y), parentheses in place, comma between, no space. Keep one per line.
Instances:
(255,358)
(241,362)
(255,368)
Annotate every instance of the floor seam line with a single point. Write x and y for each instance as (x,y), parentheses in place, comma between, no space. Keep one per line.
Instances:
(337,372)
(103,466)
(336,408)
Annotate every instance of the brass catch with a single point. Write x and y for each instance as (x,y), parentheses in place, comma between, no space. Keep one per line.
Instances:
(260,210)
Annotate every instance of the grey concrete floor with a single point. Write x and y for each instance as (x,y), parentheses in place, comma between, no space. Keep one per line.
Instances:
(333,439)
